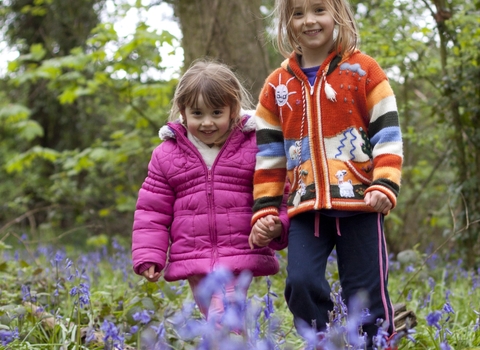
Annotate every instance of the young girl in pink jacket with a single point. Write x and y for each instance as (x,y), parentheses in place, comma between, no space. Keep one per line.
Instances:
(194,208)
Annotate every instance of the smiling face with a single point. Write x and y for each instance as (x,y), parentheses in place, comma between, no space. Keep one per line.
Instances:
(313,27)
(208,124)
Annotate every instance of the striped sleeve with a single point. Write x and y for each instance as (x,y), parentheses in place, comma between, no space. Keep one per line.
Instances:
(386,139)
(270,170)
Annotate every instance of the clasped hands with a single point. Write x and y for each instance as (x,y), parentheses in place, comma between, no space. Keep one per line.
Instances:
(264,231)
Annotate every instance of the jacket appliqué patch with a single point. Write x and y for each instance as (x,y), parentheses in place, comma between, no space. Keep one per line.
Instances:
(282,93)
(356,68)
(346,187)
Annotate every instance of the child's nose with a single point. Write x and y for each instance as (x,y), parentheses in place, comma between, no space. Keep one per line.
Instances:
(310,17)
(207,121)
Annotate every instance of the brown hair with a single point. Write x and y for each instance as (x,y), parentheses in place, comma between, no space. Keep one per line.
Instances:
(218,85)
(346,41)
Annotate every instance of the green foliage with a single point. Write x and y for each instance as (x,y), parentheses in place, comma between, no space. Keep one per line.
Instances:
(42,297)
(79,117)
(93,168)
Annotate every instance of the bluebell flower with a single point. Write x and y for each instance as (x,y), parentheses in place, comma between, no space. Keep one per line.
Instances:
(357,315)
(380,340)
(431,283)
(83,292)
(193,328)
(307,332)
(6,337)
(476,327)
(432,261)
(25,290)
(434,318)
(90,335)
(159,330)
(143,317)
(268,306)
(445,346)
(181,318)
(447,308)
(214,282)
(233,318)
(68,263)
(112,334)
(409,269)
(253,317)
(59,256)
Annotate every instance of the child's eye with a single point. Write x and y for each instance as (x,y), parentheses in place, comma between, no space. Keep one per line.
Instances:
(217,112)
(319,10)
(297,13)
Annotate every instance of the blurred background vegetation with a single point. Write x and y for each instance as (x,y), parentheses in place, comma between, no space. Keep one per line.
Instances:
(81,105)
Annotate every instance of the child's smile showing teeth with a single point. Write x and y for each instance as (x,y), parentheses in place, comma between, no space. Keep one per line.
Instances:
(312,26)
(208,124)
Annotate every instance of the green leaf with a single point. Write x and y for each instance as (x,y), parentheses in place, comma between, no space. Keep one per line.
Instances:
(14,112)
(29,129)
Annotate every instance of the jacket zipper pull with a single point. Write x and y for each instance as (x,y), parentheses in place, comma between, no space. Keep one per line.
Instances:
(209,177)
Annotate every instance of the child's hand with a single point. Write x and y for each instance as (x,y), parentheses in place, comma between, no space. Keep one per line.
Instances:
(151,275)
(264,231)
(378,201)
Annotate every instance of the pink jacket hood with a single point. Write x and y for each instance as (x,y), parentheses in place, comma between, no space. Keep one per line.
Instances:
(190,219)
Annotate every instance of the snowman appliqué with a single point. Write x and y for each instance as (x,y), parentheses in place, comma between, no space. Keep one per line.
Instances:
(295,153)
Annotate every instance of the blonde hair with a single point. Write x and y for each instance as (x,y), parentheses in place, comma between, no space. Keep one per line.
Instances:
(346,41)
(216,83)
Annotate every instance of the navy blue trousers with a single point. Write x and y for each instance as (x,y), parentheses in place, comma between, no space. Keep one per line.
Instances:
(362,265)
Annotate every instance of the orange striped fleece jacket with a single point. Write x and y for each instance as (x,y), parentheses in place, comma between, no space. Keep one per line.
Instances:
(333,141)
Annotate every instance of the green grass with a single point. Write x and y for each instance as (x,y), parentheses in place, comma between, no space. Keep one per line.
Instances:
(117,294)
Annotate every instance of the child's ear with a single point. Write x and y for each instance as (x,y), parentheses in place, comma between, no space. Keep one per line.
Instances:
(182,117)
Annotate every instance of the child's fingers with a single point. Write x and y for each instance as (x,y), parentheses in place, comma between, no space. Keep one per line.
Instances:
(250,240)
(270,222)
(262,224)
(154,277)
(151,275)
(258,239)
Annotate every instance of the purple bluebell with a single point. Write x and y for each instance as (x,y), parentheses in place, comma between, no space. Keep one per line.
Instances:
(233,318)
(83,293)
(214,282)
(90,335)
(6,337)
(307,332)
(431,283)
(445,346)
(476,327)
(434,318)
(447,308)
(357,315)
(409,269)
(25,290)
(380,340)
(112,335)
(143,316)
(159,330)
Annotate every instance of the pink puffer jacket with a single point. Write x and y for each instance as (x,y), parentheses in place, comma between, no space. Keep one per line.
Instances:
(190,220)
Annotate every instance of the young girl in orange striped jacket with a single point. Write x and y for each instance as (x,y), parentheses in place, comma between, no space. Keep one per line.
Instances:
(327,119)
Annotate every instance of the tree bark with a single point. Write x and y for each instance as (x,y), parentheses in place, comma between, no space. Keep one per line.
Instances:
(230,31)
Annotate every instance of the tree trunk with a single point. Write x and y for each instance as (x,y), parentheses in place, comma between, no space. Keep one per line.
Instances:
(230,31)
